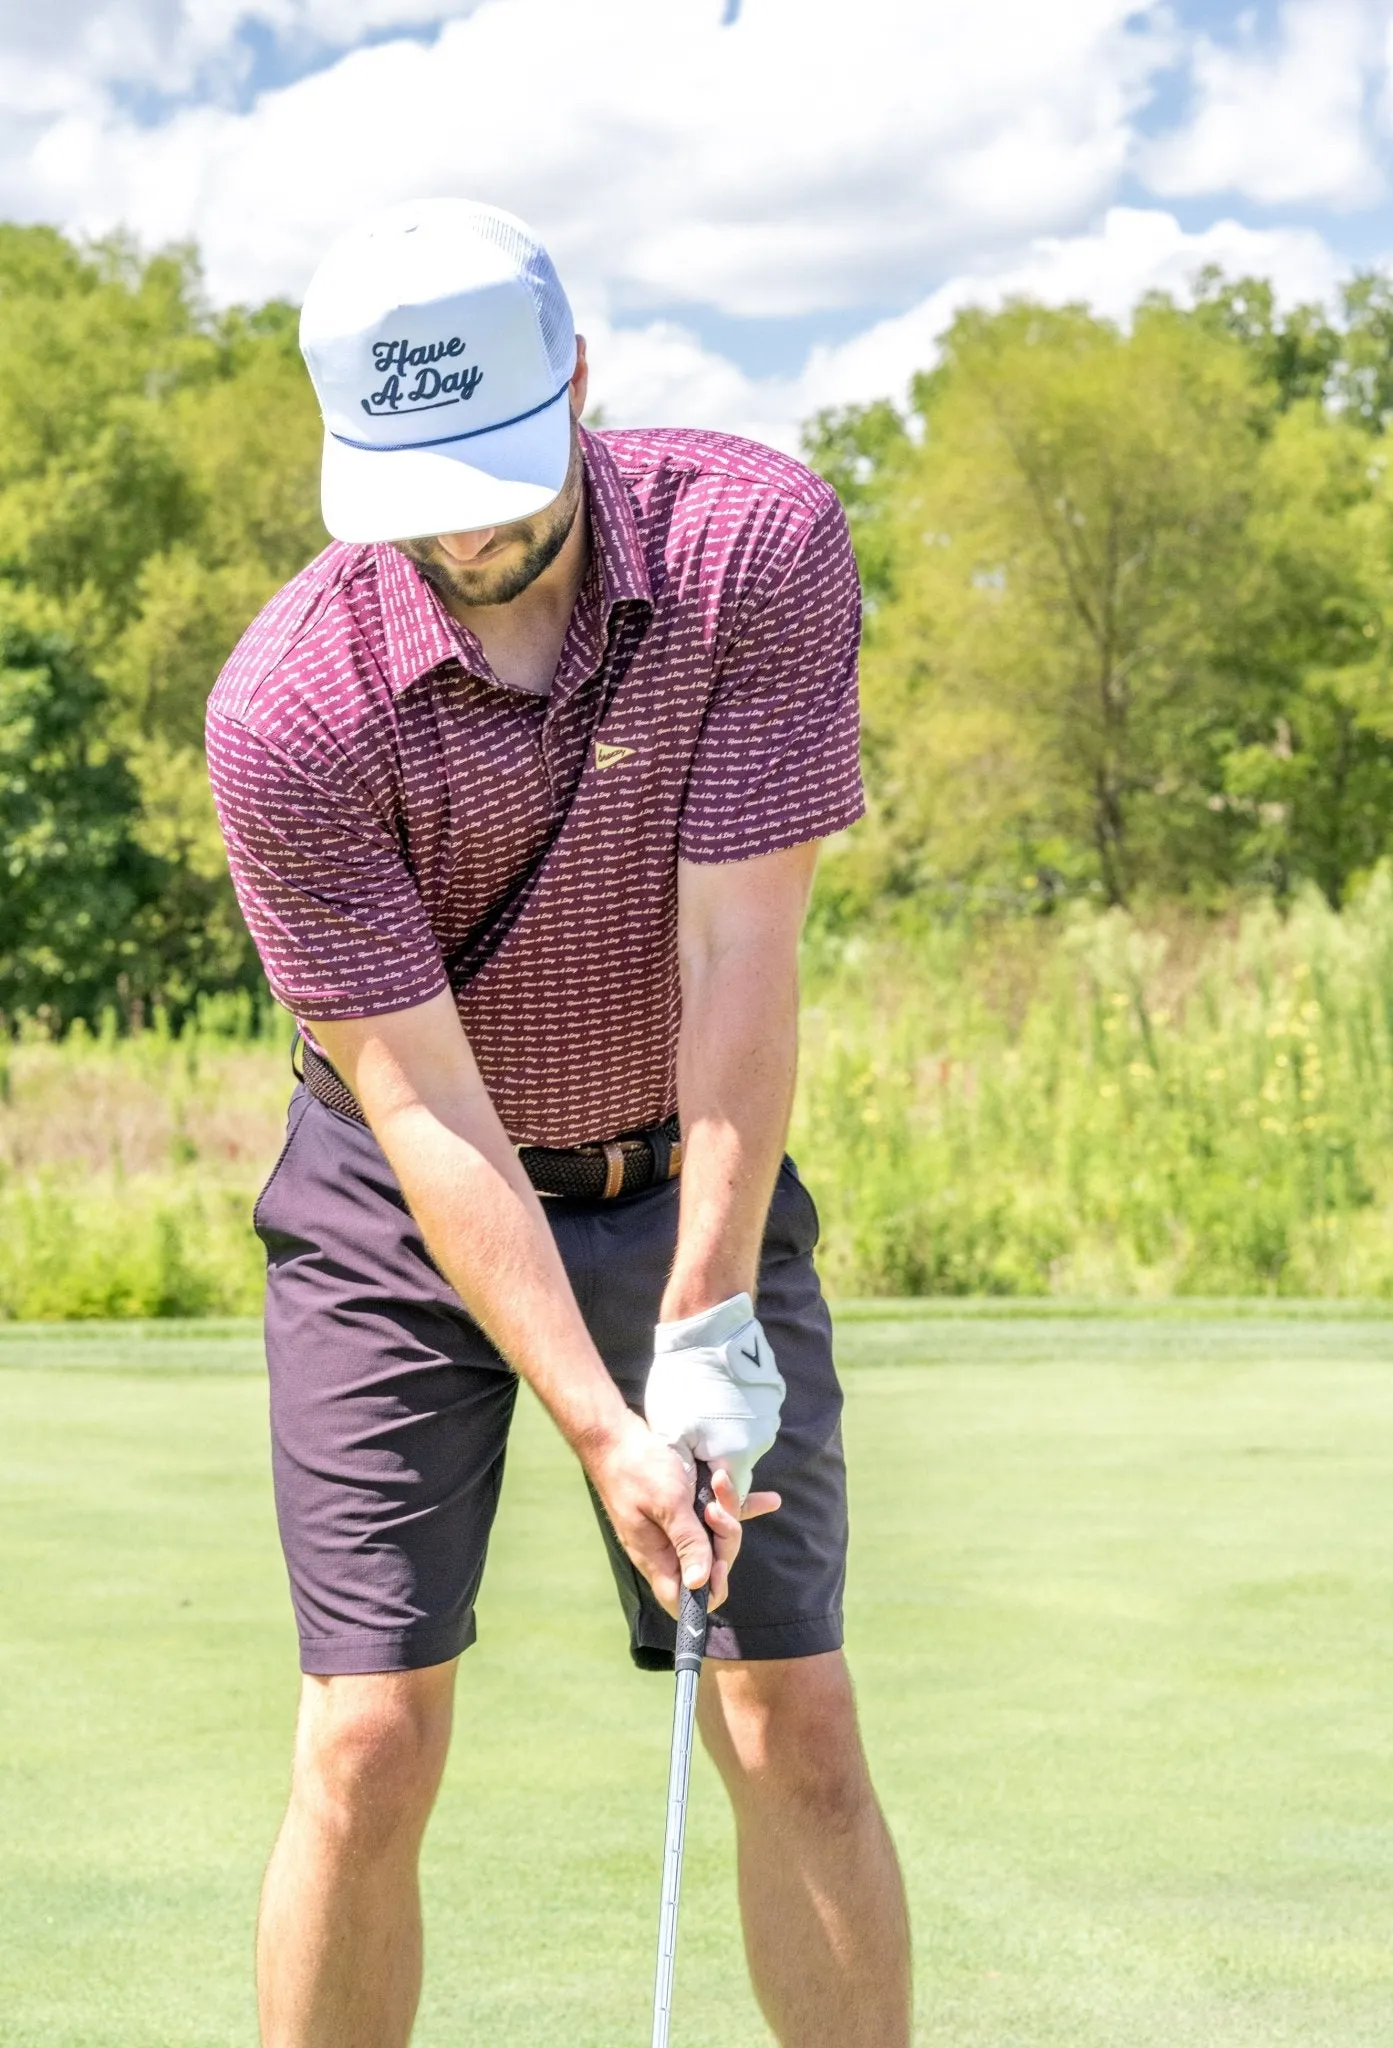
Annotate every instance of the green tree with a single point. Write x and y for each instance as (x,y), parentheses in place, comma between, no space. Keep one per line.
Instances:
(860,449)
(1131,603)
(74,881)
(1305,352)
(1295,354)
(94,344)
(1044,690)
(1363,380)
(158,481)
(1312,789)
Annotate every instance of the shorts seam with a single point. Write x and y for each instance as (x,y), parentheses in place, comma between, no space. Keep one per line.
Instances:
(370,1635)
(366,1650)
(775,1628)
(810,1635)
(802,1623)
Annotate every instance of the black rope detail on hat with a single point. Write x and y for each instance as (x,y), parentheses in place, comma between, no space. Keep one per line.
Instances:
(471,434)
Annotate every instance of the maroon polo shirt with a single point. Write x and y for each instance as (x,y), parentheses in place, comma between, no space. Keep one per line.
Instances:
(381,791)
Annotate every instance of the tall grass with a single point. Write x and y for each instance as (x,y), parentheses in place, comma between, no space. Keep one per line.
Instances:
(1099,1107)
(128,1165)
(1109,1109)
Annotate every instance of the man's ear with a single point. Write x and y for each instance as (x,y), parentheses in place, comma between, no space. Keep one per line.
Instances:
(580,379)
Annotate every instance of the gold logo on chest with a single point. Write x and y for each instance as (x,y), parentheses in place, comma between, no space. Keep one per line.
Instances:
(608,756)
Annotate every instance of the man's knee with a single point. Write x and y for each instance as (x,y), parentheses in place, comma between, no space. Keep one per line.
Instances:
(784,1735)
(369,1753)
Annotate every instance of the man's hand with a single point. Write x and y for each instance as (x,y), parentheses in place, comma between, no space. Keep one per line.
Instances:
(715,1391)
(647,1492)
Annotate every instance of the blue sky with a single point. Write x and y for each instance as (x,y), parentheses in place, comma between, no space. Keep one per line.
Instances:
(758,208)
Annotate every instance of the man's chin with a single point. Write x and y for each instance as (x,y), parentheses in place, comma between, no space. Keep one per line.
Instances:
(494,585)
(522,557)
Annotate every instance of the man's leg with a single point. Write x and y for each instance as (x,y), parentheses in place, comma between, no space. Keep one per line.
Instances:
(826,1930)
(339,1942)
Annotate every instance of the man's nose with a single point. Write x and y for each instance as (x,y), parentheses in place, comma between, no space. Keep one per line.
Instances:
(463,547)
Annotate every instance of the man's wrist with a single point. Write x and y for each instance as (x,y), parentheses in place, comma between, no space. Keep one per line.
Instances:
(714,1325)
(595,1436)
(692,1293)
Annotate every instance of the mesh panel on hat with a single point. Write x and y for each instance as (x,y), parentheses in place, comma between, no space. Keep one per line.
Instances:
(538,273)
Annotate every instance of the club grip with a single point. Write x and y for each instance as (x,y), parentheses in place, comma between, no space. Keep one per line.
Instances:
(691,1612)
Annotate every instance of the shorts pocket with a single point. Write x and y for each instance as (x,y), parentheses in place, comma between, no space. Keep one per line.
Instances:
(294,1117)
(793,1215)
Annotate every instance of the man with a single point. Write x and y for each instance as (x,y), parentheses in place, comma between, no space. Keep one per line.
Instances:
(523,816)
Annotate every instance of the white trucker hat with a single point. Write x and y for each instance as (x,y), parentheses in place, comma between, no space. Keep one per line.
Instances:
(440,345)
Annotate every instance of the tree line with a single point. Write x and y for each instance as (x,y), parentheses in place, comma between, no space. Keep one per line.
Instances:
(159,468)
(1129,601)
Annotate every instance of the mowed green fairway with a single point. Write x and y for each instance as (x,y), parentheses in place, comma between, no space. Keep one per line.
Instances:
(1122,1614)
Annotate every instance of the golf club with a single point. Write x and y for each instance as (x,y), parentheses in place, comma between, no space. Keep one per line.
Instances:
(691,1648)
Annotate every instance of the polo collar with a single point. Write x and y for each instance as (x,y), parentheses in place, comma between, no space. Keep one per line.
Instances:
(614,529)
(420,635)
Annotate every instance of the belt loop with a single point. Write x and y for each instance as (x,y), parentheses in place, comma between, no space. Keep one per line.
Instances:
(661,1147)
(614,1170)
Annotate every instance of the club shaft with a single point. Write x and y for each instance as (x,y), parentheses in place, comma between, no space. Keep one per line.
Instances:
(689,1650)
(679,1777)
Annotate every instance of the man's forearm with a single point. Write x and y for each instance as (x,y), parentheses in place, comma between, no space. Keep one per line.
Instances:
(463,1182)
(486,1230)
(736,1064)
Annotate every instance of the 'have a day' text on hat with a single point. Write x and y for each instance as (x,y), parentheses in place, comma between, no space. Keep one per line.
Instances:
(440,344)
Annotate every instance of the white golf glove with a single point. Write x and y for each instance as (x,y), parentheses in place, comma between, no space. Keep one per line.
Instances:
(714,1391)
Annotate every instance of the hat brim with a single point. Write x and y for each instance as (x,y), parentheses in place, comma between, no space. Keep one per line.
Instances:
(489,479)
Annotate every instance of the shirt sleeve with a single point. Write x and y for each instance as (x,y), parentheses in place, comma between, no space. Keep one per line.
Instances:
(322,882)
(778,760)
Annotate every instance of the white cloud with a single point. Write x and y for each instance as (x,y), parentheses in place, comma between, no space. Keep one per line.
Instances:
(1285,123)
(660,375)
(811,156)
(171,46)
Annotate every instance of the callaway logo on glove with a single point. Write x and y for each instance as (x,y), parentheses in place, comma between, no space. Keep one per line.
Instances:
(714,1391)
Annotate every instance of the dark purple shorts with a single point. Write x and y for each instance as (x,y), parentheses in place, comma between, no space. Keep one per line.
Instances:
(390,1413)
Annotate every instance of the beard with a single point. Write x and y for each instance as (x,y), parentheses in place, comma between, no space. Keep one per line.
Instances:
(542,540)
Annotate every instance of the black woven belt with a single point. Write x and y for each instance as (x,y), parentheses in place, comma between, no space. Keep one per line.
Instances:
(592,1173)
